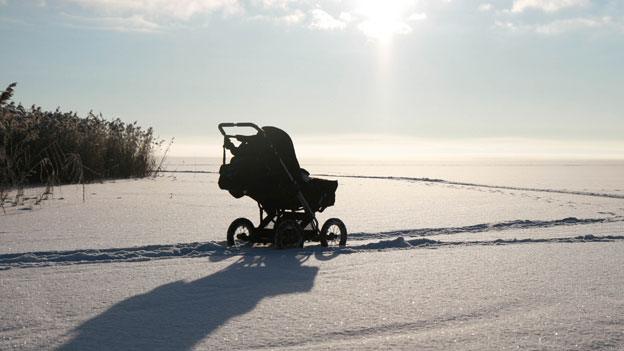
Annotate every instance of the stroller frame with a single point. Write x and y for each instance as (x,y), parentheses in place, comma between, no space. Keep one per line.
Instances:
(304,216)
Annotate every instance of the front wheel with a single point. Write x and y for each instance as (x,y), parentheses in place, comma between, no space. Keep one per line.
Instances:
(333,232)
(288,234)
(239,232)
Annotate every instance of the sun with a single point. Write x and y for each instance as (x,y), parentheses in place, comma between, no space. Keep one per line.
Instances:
(383,19)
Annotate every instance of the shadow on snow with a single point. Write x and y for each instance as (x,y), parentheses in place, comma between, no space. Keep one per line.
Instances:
(180,314)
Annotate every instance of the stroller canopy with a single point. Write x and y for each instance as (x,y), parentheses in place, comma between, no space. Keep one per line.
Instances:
(264,167)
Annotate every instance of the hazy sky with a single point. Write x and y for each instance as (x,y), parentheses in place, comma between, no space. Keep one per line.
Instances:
(551,71)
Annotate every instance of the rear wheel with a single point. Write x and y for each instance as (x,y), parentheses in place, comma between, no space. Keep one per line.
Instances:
(288,234)
(334,233)
(239,232)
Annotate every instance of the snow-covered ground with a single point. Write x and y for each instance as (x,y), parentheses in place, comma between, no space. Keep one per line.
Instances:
(436,260)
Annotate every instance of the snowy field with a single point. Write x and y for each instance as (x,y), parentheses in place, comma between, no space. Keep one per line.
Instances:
(444,256)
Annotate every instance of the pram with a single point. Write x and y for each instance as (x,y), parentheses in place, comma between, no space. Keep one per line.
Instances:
(264,167)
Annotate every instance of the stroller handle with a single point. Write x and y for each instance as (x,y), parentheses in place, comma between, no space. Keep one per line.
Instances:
(242,124)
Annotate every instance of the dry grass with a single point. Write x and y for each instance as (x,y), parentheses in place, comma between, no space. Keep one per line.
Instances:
(49,148)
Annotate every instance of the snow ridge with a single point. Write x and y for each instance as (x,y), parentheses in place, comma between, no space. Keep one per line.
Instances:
(192,250)
(485,227)
(139,253)
(401,243)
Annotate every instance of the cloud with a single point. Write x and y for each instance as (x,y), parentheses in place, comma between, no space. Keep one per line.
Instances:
(561,16)
(506,25)
(143,15)
(562,26)
(346,17)
(291,18)
(154,9)
(417,16)
(380,30)
(324,21)
(547,5)
(294,17)
(282,4)
(485,7)
(375,19)
(566,25)
(135,23)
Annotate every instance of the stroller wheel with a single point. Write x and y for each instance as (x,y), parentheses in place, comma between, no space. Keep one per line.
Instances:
(239,232)
(288,234)
(333,232)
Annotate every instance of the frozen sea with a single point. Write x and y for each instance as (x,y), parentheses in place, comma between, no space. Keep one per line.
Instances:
(486,254)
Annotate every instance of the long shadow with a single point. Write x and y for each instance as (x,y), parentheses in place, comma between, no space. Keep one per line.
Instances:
(178,315)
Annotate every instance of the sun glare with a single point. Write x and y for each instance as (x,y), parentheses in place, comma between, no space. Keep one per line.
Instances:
(383,19)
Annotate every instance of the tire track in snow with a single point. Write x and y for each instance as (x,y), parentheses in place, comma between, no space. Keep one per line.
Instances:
(193,250)
(477,185)
(130,254)
(402,243)
(485,227)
